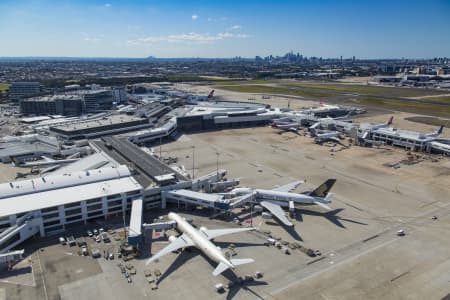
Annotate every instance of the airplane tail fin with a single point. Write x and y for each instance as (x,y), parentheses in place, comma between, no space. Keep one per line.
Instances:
(15,161)
(241,261)
(440,130)
(211,94)
(390,120)
(221,267)
(323,189)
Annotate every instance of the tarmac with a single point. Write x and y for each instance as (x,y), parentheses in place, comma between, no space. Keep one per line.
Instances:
(362,255)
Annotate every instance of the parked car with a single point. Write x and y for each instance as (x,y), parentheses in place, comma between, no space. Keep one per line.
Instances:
(96,253)
(111,256)
(71,241)
(98,239)
(62,241)
(89,233)
(95,232)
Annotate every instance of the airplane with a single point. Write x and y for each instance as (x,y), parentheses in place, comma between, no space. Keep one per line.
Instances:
(332,136)
(293,127)
(365,126)
(273,199)
(47,161)
(437,133)
(201,239)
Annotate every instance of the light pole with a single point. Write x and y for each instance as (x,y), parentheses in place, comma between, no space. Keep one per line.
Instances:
(217,165)
(160,148)
(193,162)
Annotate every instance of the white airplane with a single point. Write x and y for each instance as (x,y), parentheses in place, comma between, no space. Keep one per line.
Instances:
(294,126)
(201,239)
(46,161)
(366,126)
(332,136)
(274,199)
(437,133)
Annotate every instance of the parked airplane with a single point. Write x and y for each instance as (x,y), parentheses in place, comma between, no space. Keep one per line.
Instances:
(366,126)
(293,127)
(201,239)
(332,136)
(47,161)
(437,133)
(274,199)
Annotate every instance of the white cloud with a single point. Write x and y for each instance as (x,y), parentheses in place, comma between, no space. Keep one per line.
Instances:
(221,19)
(235,27)
(194,17)
(92,38)
(107,5)
(191,37)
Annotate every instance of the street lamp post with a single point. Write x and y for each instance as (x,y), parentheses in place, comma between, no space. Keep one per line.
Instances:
(217,165)
(193,162)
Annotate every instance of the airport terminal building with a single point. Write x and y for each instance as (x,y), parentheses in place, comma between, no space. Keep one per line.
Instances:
(49,204)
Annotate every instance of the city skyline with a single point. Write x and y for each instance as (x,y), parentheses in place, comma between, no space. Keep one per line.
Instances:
(177,29)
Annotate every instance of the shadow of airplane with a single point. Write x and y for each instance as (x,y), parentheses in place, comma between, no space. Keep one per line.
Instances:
(181,259)
(238,283)
(329,215)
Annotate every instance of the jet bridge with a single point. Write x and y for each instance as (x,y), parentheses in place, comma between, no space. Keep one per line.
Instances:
(196,198)
(24,228)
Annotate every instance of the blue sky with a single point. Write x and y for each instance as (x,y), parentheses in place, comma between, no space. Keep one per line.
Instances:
(110,28)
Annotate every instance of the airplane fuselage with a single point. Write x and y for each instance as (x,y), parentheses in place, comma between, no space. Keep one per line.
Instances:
(200,241)
(281,198)
(48,163)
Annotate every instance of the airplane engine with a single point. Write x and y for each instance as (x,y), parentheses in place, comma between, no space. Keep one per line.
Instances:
(203,229)
(266,215)
(172,238)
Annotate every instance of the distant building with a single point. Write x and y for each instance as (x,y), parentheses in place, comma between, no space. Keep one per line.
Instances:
(67,105)
(119,95)
(98,100)
(21,90)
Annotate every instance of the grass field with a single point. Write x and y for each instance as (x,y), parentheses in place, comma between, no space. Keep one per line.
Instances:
(339,88)
(415,107)
(4,87)
(384,97)
(278,90)
(429,120)
(369,90)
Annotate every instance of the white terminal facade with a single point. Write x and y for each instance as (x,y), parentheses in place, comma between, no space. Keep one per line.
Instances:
(49,204)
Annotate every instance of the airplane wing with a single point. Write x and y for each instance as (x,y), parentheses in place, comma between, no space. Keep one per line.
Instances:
(288,187)
(180,242)
(277,211)
(213,233)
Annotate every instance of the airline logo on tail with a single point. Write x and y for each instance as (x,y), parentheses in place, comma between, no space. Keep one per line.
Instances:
(440,130)
(323,189)
(211,94)
(390,120)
